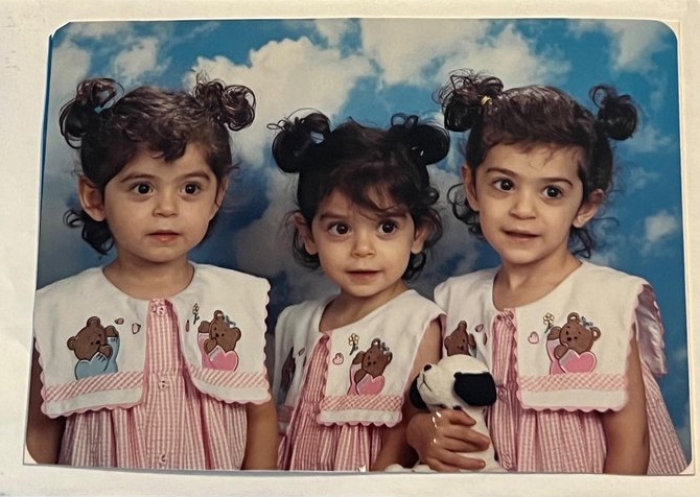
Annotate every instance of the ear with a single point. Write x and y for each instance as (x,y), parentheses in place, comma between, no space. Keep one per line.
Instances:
(421,235)
(469,181)
(589,208)
(91,199)
(220,196)
(475,389)
(306,234)
(414,395)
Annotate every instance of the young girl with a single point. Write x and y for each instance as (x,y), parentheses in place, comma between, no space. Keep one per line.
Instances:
(572,346)
(152,361)
(344,362)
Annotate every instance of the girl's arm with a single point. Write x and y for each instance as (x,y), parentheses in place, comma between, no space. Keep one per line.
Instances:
(395,448)
(262,438)
(44,434)
(439,437)
(627,430)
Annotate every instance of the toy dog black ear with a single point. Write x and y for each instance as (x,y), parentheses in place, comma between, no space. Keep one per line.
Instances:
(476,389)
(414,395)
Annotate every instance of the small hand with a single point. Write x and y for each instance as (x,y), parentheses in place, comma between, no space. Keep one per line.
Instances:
(439,437)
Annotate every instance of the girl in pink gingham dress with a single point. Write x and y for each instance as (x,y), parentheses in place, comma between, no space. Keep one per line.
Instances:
(344,363)
(152,361)
(573,347)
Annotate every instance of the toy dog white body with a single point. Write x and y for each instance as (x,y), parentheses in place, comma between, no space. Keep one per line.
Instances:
(462,382)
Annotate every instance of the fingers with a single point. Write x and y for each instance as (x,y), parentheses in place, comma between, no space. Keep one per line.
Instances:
(456,425)
(452,462)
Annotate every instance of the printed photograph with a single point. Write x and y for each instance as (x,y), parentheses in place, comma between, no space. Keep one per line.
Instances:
(490,205)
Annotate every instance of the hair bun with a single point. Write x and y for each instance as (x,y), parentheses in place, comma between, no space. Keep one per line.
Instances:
(233,105)
(463,99)
(297,138)
(93,96)
(428,143)
(616,113)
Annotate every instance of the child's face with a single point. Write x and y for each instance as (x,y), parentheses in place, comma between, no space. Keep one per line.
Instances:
(363,251)
(528,200)
(157,211)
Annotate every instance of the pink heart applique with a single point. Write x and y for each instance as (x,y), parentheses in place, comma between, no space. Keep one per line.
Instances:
(225,361)
(572,362)
(370,386)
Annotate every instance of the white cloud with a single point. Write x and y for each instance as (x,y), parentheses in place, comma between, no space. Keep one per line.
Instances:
(638,178)
(648,138)
(334,30)
(138,59)
(659,227)
(633,42)
(286,76)
(423,53)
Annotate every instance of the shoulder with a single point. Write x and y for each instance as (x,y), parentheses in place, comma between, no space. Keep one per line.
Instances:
(415,301)
(229,276)
(72,286)
(466,281)
(308,307)
(604,275)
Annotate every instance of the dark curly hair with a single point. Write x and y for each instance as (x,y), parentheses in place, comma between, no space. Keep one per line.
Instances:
(360,161)
(534,115)
(109,128)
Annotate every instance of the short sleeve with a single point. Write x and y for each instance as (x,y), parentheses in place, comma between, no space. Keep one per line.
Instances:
(650,330)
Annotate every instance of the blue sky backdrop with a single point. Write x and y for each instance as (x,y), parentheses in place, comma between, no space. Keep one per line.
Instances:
(369,69)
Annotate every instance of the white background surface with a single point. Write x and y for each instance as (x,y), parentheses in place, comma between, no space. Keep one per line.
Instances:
(25,28)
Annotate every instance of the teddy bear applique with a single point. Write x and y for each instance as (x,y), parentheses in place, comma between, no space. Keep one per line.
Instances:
(367,369)
(96,347)
(289,368)
(217,340)
(459,341)
(569,346)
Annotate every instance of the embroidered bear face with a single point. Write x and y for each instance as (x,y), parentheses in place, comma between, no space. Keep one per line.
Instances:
(92,339)
(459,341)
(573,336)
(374,361)
(288,369)
(220,332)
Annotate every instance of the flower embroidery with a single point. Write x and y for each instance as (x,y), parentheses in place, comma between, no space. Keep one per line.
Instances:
(353,341)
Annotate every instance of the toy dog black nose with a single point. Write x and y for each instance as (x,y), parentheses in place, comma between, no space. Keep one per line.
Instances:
(427,367)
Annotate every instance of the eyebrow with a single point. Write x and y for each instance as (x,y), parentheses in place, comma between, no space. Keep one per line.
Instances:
(145,176)
(508,172)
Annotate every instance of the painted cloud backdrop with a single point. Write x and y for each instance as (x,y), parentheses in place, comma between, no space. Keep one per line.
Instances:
(368,70)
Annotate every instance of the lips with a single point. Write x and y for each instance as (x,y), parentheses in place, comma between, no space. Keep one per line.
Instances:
(363,274)
(164,235)
(520,235)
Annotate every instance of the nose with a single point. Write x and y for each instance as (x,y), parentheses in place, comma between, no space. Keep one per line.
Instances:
(166,204)
(362,244)
(427,367)
(523,205)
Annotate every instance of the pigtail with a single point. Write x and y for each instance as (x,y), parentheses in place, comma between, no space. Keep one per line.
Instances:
(466,97)
(296,138)
(617,114)
(82,114)
(232,106)
(428,144)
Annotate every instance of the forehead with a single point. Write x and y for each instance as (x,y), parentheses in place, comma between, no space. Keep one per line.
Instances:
(372,204)
(536,157)
(147,161)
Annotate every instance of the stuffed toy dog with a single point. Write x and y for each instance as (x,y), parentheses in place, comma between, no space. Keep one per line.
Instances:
(461,382)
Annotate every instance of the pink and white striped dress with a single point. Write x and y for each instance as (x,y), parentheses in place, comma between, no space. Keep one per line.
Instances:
(174,427)
(547,419)
(318,447)
(528,440)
